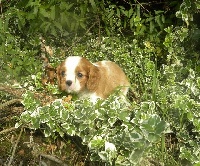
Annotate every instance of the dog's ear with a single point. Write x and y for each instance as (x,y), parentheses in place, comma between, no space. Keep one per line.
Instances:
(58,76)
(94,77)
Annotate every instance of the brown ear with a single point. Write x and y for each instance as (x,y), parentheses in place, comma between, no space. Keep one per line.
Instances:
(94,77)
(58,75)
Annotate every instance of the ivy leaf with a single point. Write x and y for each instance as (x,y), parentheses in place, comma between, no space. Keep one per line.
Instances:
(160,127)
(97,143)
(153,137)
(103,155)
(134,136)
(135,155)
(124,115)
(82,127)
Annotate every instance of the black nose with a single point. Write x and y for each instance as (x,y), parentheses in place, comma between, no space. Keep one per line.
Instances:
(68,82)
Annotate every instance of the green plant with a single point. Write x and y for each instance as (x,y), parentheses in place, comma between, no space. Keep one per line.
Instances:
(158,52)
(168,105)
(107,127)
(187,10)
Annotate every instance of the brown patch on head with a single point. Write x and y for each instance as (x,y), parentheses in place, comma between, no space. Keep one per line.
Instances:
(94,77)
(61,70)
(89,75)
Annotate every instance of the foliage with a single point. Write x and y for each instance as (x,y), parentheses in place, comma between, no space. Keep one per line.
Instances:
(157,45)
(169,105)
(187,9)
(103,126)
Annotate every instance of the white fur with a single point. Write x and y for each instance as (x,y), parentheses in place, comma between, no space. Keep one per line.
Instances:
(71,63)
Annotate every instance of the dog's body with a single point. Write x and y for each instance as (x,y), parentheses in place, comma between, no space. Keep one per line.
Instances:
(91,80)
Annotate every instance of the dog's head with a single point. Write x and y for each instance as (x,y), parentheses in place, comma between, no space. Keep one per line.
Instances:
(77,74)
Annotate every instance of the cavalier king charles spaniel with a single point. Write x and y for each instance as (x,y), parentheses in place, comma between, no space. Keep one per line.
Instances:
(91,80)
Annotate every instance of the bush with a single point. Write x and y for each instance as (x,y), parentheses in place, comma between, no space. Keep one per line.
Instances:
(128,133)
(115,132)
(158,52)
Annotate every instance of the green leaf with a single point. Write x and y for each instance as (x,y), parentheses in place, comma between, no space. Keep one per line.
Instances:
(112,120)
(71,130)
(135,155)
(130,12)
(58,25)
(132,21)
(53,12)
(123,115)
(46,26)
(107,31)
(44,13)
(93,4)
(197,4)
(103,155)
(153,137)
(68,6)
(97,143)
(118,12)
(197,164)
(160,127)
(35,123)
(134,136)
(163,18)
(110,14)
(158,21)
(158,12)
(125,12)
(151,26)
(82,127)
(35,12)
(138,10)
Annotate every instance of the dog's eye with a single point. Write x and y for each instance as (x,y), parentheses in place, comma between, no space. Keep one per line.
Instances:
(80,75)
(63,73)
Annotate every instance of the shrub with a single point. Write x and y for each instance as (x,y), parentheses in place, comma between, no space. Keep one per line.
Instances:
(129,133)
(158,52)
(115,132)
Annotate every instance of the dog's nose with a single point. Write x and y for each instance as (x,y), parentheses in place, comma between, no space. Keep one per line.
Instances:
(69,82)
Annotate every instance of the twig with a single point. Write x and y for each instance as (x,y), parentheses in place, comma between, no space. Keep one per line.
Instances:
(17,92)
(52,158)
(142,6)
(7,130)
(78,40)
(9,103)
(15,147)
(42,96)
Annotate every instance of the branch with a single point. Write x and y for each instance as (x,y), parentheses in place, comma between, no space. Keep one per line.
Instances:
(15,147)
(78,40)
(9,103)
(17,93)
(7,130)
(52,158)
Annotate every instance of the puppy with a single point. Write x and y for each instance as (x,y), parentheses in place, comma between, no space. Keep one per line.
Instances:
(91,80)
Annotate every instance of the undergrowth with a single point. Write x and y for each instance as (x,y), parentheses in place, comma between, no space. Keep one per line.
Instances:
(156,44)
(162,127)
